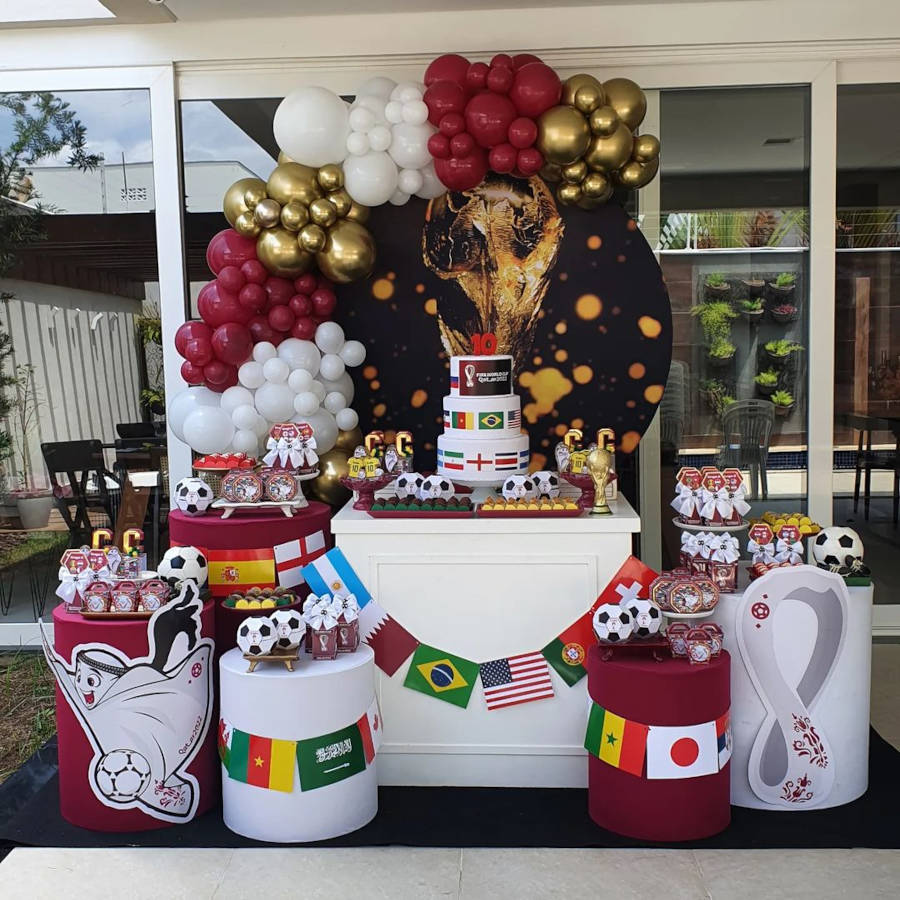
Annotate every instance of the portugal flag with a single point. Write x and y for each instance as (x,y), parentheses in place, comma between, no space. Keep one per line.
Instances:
(261,761)
(617,741)
(238,570)
(568,652)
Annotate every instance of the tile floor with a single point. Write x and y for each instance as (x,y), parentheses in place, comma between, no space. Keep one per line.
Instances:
(399,873)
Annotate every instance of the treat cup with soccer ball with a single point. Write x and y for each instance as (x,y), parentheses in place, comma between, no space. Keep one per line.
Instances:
(321,614)
(675,635)
(699,646)
(612,624)
(348,624)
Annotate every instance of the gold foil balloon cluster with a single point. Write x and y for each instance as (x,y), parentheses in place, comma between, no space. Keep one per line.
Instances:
(589,144)
(300,217)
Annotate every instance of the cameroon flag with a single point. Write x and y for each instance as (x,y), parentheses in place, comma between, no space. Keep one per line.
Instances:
(568,652)
(442,675)
(617,741)
(261,761)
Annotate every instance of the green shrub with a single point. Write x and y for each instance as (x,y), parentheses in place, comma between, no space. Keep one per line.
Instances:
(782,398)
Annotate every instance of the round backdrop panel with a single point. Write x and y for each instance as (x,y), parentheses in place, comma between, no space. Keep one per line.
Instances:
(576,296)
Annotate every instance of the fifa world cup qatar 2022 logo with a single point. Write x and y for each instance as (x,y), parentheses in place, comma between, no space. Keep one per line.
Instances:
(470,375)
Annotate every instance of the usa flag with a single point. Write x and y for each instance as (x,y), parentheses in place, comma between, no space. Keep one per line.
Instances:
(518,679)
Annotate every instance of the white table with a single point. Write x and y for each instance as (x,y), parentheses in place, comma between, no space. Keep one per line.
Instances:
(484,589)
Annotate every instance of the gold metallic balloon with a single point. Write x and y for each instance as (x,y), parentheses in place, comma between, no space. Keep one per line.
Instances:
(587,98)
(606,154)
(575,172)
(278,250)
(627,99)
(267,213)
(246,226)
(551,172)
(291,181)
(322,212)
(568,193)
(604,120)
(563,135)
(349,252)
(358,213)
(595,185)
(312,237)
(327,487)
(646,148)
(294,215)
(254,195)
(233,204)
(283,158)
(341,201)
(636,174)
(571,86)
(589,203)
(330,177)
(349,440)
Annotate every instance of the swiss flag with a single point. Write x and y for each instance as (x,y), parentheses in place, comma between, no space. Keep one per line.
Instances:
(682,751)
(632,580)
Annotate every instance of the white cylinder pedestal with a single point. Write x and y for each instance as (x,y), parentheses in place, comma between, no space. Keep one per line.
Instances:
(319,697)
(841,708)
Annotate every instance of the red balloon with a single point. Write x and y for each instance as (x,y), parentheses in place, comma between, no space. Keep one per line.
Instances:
(464,173)
(253,296)
(522,132)
(232,343)
(476,76)
(280,291)
(452,123)
(522,59)
(189,331)
(500,79)
(323,302)
(444,97)
(281,318)
(198,351)
(300,305)
(191,374)
(231,278)
(502,158)
(488,117)
(305,284)
(449,67)
(261,330)
(216,307)
(502,60)
(529,161)
(254,271)
(217,373)
(228,248)
(304,328)
(439,146)
(535,89)
(462,144)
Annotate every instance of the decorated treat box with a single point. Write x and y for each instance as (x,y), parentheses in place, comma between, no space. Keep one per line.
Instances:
(348,624)
(688,495)
(321,614)
(684,593)
(676,632)
(699,646)
(716,636)
(240,486)
(716,507)
(736,494)
(280,486)
(292,446)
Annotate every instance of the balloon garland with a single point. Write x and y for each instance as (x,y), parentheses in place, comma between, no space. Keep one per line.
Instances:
(265,349)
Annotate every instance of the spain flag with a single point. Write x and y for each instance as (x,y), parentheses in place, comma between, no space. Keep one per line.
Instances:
(239,570)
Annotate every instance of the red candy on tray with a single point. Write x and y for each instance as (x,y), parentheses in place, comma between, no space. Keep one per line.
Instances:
(225,461)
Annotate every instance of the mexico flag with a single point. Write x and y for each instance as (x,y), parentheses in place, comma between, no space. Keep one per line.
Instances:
(239,570)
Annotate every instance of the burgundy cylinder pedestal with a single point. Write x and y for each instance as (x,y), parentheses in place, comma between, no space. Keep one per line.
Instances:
(671,692)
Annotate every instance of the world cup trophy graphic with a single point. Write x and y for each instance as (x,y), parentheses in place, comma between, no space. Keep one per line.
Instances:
(470,375)
(499,241)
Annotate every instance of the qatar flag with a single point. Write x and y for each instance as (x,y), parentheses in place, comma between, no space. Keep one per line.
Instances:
(682,751)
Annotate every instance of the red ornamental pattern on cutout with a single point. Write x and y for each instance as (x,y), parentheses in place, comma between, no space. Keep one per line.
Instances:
(801,792)
(810,744)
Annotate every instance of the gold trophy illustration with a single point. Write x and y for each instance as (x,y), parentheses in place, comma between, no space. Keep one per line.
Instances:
(600,463)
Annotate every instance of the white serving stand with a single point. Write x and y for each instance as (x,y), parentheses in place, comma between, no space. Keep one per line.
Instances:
(484,589)
(287,507)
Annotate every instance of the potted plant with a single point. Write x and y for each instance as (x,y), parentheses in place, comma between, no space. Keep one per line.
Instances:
(781,349)
(154,400)
(724,402)
(766,381)
(755,286)
(711,389)
(752,309)
(721,353)
(715,320)
(33,503)
(784,402)
(716,285)
(783,286)
(784,313)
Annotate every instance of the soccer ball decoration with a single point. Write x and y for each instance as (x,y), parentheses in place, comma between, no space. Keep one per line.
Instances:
(612,623)
(193,496)
(837,548)
(645,616)
(256,635)
(518,487)
(408,484)
(122,775)
(434,487)
(289,628)
(546,484)
(182,563)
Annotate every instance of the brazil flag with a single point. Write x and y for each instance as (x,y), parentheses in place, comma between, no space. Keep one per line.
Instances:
(442,675)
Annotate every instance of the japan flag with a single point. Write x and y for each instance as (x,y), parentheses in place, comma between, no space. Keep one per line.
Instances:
(682,751)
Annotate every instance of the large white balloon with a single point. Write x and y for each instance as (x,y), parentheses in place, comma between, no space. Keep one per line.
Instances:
(275,401)
(319,390)
(264,351)
(300,354)
(353,353)
(334,402)
(377,86)
(208,429)
(306,404)
(244,417)
(332,367)
(329,338)
(311,126)
(344,384)
(234,397)
(246,441)
(409,147)
(410,181)
(185,402)
(251,376)
(299,381)
(347,419)
(324,428)
(432,186)
(276,370)
(261,426)
(370,179)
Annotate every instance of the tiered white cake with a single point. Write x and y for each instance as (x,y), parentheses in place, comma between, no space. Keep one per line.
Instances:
(482,440)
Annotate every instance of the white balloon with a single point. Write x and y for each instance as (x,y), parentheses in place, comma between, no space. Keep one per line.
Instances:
(361,119)
(306,403)
(353,353)
(410,181)
(185,402)
(335,402)
(275,401)
(208,429)
(245,416)
(246,441)
(234,397)
(380,138)
(378,86)
(409,147)
(358,143)
(398,198)
(347,419)
(393,112)
(329,338)
(332,367)
(370,179)
(374,104)
(324,428)
(261,426)
(319,390)
(344,384)
(299,381)
(250,375)
(415,112)
(300,354)
(263,351)
(276,370)
(410,92)
(432,186)
(311,126)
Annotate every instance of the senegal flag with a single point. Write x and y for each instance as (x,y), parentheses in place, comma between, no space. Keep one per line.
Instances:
(617,741)
(568,652)
(261,761)
(442,675)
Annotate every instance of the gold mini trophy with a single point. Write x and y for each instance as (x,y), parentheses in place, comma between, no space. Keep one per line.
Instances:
(599,464)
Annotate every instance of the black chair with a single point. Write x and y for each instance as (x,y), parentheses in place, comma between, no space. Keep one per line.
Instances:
(133,430)
(868,459)
(747,427)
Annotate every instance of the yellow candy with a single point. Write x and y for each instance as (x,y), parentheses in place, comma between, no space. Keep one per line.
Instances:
(793,520)
(243,603)
(805,529)
(268,603)
(255,604)
(805,520)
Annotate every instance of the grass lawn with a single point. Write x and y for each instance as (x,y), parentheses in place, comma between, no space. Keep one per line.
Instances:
(27,708)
